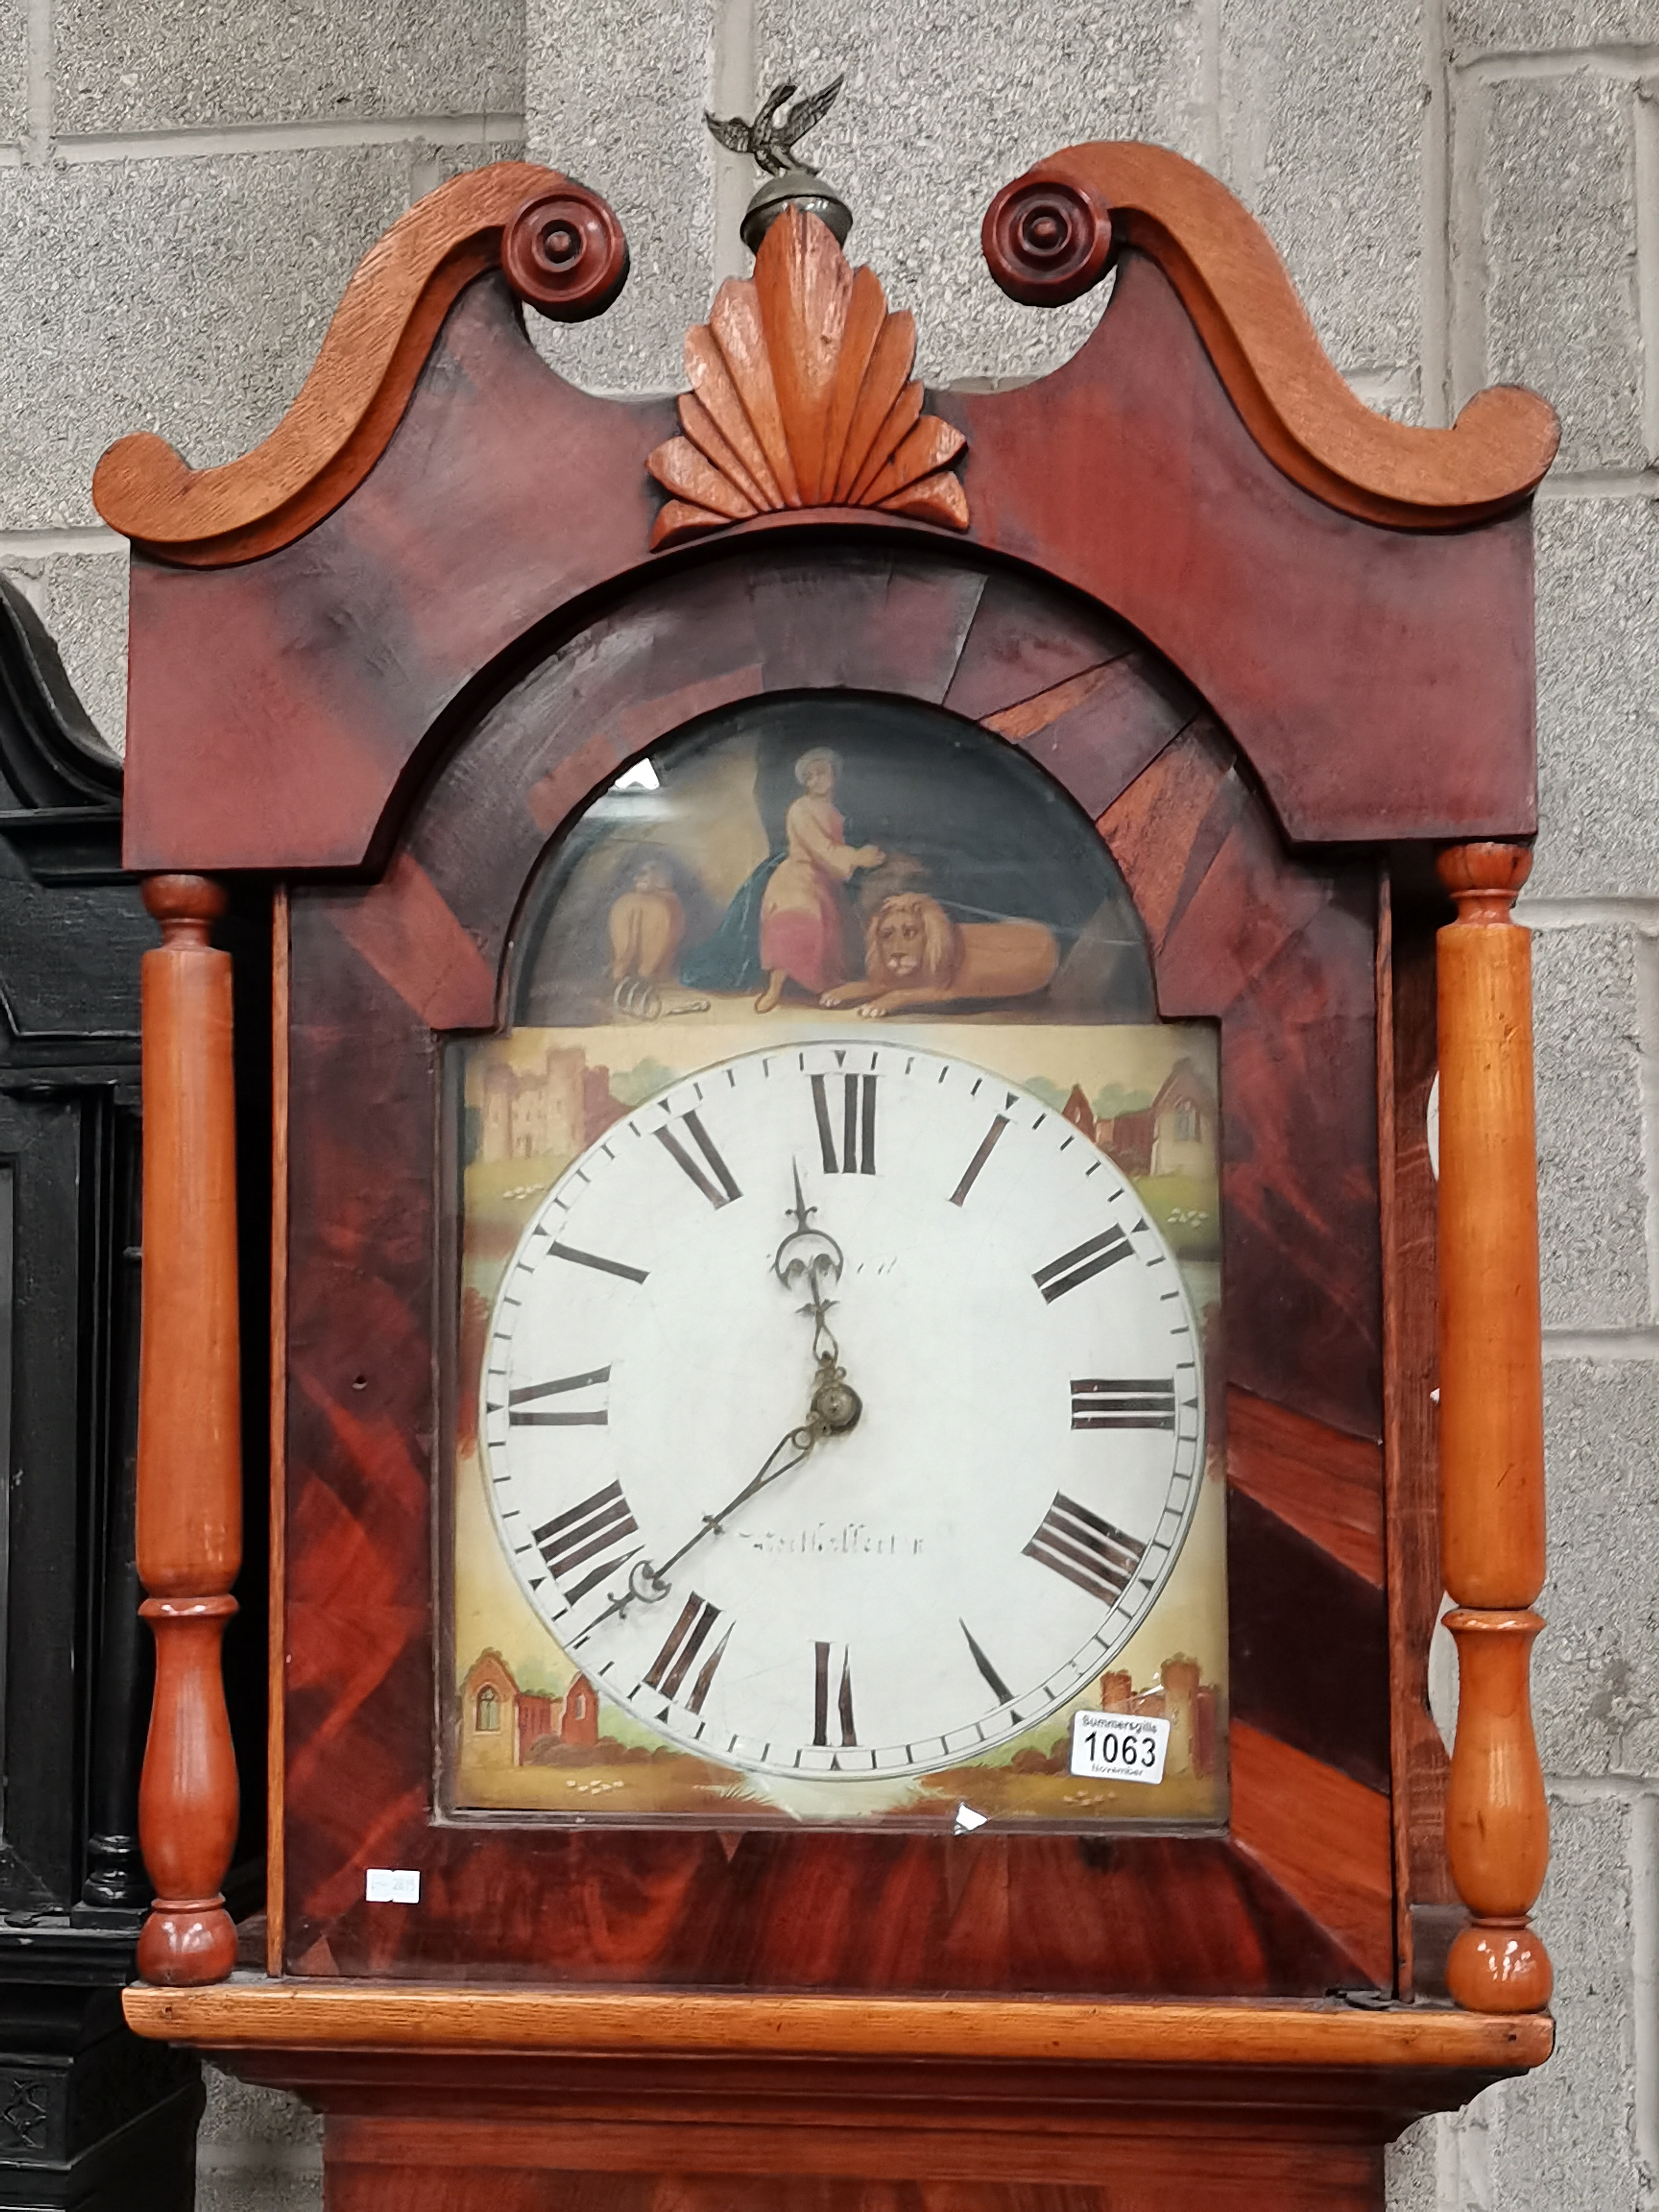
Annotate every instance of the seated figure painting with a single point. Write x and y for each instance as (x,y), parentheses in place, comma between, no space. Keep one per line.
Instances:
(803,915)
(863,858)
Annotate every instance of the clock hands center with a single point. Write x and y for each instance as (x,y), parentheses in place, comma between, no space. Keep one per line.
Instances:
(833,1409)
(813,1257)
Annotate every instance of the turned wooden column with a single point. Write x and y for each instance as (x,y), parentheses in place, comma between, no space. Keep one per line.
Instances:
(1491,1426)
(190,1509)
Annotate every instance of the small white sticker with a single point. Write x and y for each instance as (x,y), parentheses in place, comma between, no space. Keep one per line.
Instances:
(1119,1746)
(967,1820)
(392,1885)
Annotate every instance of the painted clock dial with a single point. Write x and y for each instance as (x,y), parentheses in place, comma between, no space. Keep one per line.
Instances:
(843,1411)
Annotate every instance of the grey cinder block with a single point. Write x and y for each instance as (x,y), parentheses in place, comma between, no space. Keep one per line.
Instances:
(188,297)
(1509,26)
(1323,143)
(434,164)
(1565,2137)
(13,70)
(1558,239)
(258,2150)
(1592,1202)
(1412,2169)
(947,99)
(1596,1669)
(256,2188)
(238,2112)
(1598,699)
(615,98)
(170,63)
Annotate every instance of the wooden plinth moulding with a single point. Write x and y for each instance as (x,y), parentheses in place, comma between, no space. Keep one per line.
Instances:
(1491,1426)
(392,2016)
(189,1510)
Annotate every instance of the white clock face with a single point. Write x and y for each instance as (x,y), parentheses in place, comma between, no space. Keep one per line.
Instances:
(1025,1446)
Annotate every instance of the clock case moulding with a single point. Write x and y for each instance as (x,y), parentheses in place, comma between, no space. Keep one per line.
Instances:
(1279,649)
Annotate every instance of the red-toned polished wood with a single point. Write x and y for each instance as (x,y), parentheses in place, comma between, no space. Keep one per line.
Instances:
(1049,229)
(1045,242)
(189,1509)
(563,252)
(1427,1913)
(620,2098)
(408,705)
(1326,1484)
(354,397)
(1491,1439)
(297,743)
(276,1812)
(376,967)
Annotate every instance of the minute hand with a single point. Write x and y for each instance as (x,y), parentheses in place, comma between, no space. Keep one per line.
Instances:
(836,1409)
(802,1439)
(648,1584)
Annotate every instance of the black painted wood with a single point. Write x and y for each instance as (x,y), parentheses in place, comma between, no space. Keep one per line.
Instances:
(89,2115)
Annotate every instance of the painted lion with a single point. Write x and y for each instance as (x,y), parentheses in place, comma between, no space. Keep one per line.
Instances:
(915,955)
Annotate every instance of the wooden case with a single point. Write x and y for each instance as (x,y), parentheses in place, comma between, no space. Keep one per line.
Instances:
(1280,651)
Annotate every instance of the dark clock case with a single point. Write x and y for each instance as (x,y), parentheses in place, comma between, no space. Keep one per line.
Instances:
(91,2116)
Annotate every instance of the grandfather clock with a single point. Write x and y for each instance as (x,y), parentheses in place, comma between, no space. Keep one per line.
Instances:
(91,2116)
(873,1392)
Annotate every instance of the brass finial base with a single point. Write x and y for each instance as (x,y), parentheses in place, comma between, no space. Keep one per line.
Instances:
(800,188)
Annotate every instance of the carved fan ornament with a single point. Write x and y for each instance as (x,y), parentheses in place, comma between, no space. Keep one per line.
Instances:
(801,396)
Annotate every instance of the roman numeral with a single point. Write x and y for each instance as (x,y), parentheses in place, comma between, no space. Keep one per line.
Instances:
(722,1190)
(987,1146)
(571,1420)
(994,1681)
(821,1680)
(669,1669)
(1123,1405)
(857,1118)
(593,1260)
(1086,1549)
(1076,1266)
(598,1524)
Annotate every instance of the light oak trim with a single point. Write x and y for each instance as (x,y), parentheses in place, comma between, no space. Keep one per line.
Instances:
(249,2011)
(1491,1425)
(1491,1394)
(1293,401)
(189,1521)
(349,405)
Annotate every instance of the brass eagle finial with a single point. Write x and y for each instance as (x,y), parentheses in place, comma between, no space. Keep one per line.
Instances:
(770,140)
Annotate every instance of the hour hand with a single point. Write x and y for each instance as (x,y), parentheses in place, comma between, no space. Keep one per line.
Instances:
(807,1252)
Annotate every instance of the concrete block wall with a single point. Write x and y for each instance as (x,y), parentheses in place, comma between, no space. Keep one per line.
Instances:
(185,187)
(1466,191)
